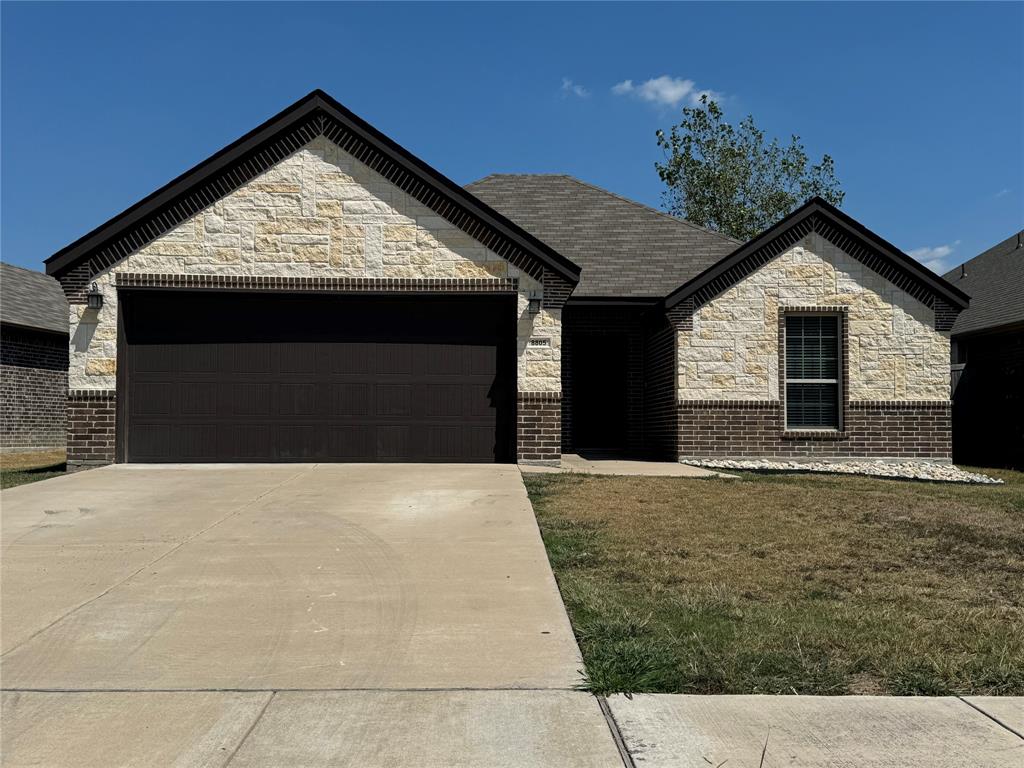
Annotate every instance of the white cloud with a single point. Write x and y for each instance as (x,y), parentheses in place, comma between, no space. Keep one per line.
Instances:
(1002,193)
(935,258)
(665,91)
(569,88)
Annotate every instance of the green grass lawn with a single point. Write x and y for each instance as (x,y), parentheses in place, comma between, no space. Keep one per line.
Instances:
(21,468)
(783,584)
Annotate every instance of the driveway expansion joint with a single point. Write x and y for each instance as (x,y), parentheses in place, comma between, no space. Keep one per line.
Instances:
(613,727)
(250,729)
(993,718)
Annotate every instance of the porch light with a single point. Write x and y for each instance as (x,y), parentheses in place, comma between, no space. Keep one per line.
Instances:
(533,307)
(94,296)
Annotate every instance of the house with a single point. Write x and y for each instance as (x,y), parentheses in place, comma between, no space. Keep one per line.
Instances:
(33,361)
(987,358)
(315,292)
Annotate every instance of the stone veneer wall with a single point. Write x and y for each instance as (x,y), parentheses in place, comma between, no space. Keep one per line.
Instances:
(317,213)
(896,371)
(33,390)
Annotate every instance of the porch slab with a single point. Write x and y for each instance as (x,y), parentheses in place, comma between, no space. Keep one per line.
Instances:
(572,462)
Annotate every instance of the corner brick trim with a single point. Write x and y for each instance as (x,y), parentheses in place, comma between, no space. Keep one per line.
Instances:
(539,427)
(316,284)
(92,422)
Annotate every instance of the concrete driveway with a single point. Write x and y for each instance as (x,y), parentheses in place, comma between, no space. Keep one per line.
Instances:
(287,615)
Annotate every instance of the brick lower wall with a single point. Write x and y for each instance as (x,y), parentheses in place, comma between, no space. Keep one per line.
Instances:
(660,422)
(92,419)
(539,427)
(873,429)
(33,390)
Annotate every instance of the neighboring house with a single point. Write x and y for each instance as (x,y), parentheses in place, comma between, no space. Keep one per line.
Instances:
(33,361)
(987,358)
(315,292)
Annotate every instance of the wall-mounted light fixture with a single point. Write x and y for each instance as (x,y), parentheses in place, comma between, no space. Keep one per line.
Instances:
(95,298)
(533,307)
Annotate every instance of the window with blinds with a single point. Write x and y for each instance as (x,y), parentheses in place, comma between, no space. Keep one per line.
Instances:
(812,371)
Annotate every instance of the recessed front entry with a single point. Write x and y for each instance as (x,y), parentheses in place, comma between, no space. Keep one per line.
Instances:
(220,376)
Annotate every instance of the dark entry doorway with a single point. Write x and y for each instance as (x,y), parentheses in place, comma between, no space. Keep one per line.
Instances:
(599,381)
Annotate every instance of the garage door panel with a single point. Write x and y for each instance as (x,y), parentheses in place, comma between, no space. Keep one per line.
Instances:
(394,359)
(350,399)
(394,443)
(394,400)
(351,442)
(198,398)
(250,377)
(297,399)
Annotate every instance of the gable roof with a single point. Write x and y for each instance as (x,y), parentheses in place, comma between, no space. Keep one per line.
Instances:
(313,115)
(30,299)
(858,241)
(625,249)
(995,281)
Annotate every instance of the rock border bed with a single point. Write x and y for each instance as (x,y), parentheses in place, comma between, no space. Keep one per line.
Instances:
(896,470)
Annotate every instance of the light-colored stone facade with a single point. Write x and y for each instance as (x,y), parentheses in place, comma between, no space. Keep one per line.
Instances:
(319,212)
(894,351)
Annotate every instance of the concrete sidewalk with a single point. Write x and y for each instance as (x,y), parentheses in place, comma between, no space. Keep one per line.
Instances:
(663,730)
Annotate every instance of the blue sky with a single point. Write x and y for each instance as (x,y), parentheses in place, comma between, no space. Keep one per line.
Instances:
(921,105)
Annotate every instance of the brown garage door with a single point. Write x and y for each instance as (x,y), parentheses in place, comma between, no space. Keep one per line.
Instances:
(269,377)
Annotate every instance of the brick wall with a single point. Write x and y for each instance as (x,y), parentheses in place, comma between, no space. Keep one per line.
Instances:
(539,427)
(91,427)
(873,429)
(33,390)
(660,421)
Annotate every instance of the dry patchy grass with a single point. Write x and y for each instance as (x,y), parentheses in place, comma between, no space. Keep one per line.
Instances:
(807,584)
(21,468)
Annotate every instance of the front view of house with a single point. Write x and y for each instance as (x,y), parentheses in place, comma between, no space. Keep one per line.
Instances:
(313,292)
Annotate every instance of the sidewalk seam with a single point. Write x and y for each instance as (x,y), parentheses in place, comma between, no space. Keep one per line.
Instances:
(249,730)
(613,726)
(993,718)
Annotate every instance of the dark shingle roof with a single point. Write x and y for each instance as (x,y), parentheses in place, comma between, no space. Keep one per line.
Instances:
(32,299)
(625,248)
(995,281)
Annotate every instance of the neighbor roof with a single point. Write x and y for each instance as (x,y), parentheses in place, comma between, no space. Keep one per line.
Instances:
(995,281)
(32,300)
(313,115)
(817,215)
(624,248)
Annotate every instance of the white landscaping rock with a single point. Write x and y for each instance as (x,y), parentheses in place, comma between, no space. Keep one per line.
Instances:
(902,470)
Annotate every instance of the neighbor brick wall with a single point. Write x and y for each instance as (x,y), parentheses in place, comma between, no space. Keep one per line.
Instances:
(33,390)
(91,427)
(539,427)
(873,429)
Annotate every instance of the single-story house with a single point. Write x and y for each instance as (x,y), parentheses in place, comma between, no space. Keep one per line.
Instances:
(987,358)
(314,291)
(33,361)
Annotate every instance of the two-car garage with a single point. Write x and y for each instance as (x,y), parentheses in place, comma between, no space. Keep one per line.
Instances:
(221,376)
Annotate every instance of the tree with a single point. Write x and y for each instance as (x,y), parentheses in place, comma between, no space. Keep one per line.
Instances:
(729,180)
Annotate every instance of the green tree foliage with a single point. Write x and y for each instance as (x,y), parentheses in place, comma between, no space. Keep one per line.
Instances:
(730,180)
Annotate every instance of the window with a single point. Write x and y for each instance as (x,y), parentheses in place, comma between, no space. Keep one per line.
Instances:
(812,371)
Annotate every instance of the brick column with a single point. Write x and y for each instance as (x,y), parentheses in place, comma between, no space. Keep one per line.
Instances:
(539,428)
(91,427)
